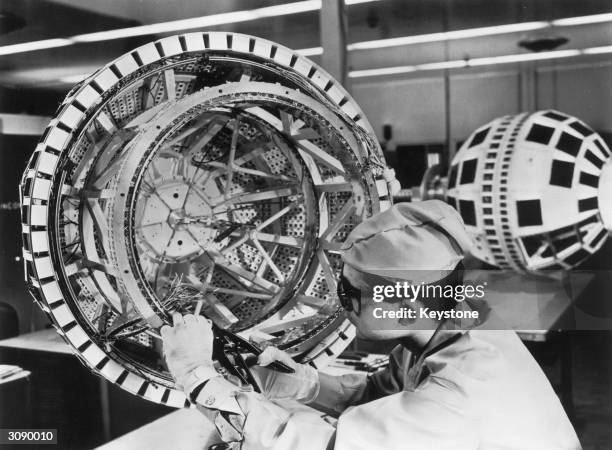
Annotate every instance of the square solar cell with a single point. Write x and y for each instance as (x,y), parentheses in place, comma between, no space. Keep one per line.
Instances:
(529,212)
(540,134)
(468,171)
(602,147)
(594,159)
(569,144)
(479,137)
(555,115)
(587,204)
(581,128)
(452,176)
(588,179)
(561,173)
(467,209)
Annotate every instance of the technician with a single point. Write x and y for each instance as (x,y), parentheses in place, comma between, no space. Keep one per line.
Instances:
(443,389)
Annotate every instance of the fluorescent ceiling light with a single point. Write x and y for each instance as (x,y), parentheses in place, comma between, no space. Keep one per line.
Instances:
(296,8)
(449,35)
(74,79)
(175,25)
(382,71)
(203,21)
(459,64)
(523,57)
(582,20)
(35,45)
(479,32)
(598,50)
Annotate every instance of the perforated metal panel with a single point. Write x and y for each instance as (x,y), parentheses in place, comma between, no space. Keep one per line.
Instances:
(236,173)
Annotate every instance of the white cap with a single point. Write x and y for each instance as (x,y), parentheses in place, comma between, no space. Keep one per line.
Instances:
(418,241)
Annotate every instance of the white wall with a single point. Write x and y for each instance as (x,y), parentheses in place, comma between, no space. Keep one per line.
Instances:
(584,91)
(415,106)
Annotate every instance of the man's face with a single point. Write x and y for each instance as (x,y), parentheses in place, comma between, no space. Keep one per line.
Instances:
(368,326)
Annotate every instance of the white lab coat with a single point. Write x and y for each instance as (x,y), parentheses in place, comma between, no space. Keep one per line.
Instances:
(477,390)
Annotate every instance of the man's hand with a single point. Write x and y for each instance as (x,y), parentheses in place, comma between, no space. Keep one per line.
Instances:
(188,346)
(303,385)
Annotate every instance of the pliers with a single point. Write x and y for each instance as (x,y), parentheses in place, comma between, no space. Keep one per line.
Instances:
(227,344)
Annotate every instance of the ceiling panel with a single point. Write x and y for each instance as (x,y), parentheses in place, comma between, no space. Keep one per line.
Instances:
(382,19)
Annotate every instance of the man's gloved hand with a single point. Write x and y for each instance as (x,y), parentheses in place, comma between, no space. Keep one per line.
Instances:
(188,347)
(303,385)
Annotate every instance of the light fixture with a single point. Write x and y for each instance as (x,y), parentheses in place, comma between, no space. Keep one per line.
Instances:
(598,50)
(33,46)
(582,20)
(73,79)
(448,35)
(523,57)
(382,71)
(472,33)
(457,64)
(475,62)
(203,21)
(296,8)
(175,26)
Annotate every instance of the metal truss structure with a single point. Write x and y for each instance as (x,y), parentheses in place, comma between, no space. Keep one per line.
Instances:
(222,165)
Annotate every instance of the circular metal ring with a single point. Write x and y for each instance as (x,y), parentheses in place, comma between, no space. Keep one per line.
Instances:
(212,173)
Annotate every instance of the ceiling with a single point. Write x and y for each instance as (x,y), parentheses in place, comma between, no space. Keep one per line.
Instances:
(53,69)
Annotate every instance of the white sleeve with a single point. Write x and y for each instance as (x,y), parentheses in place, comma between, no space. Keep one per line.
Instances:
(248,418)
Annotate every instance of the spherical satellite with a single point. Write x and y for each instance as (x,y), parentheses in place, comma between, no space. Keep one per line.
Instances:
(211,173)
(534,191)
